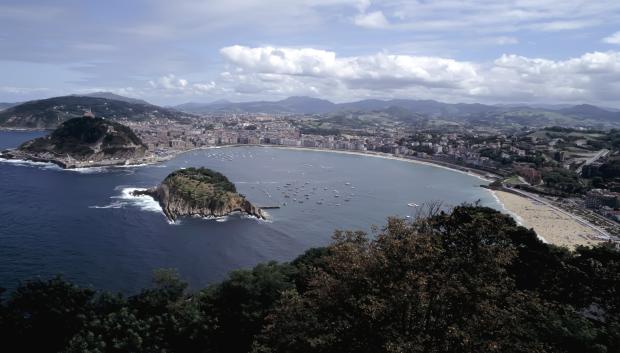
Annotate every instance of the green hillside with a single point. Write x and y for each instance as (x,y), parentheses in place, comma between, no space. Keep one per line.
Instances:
(51,112)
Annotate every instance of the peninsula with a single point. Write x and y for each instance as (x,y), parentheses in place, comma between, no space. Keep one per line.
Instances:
(199,192)
(84,142)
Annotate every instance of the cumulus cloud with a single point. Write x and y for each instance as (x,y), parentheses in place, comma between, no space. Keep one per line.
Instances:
(379,70)
(375,19)
(612,39)
(169,82)
(172,84)
(156,37)
(593,77)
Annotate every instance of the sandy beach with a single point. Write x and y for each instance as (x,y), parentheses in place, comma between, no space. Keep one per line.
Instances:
(551,225)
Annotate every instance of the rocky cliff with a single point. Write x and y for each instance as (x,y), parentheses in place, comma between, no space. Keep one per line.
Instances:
(84,142)
(199,192)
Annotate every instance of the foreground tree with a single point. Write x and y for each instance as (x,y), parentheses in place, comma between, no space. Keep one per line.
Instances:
(447,283)
(471,280)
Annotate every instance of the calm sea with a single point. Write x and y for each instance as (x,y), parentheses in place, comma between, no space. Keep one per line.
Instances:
(85,226)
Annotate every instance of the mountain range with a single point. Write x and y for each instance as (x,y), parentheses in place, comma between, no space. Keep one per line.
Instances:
(50,112)
(429,108)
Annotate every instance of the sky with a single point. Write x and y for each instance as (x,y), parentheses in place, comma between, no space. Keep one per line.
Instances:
(171,52)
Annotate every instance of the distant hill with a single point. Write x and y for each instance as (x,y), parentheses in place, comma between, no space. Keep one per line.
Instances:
(592,112)
(292,105)
(408,109)
(51,112)
(4,106)
(308,105)
(84,142)
(113,96)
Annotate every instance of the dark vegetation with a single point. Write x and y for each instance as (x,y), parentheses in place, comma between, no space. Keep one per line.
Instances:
(466,281)
(204,175)
(201,186)
(319,131)
(75,136)
(562,180)
(49,113)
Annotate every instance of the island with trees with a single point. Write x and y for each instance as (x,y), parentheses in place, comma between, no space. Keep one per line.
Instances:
(84,142)
(199,192)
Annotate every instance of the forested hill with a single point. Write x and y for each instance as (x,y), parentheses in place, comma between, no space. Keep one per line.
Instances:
(51,112)
(467,281)
(85,139)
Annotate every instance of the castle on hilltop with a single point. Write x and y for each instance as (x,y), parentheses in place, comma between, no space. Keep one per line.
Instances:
(88,114)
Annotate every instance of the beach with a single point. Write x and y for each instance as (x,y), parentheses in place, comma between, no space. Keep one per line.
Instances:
(551,225)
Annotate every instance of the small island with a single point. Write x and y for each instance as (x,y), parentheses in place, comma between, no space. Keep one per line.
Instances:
(84,142)
(199,192)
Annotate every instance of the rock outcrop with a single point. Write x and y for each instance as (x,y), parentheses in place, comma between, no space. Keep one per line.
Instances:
(199,192)
(84,142)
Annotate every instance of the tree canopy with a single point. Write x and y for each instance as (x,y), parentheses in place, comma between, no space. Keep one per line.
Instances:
(470,280)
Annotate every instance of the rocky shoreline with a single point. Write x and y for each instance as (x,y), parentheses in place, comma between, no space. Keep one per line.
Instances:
(175,203)
(66,162)
(82,143)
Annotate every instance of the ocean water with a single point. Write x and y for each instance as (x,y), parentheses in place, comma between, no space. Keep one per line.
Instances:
(85,225)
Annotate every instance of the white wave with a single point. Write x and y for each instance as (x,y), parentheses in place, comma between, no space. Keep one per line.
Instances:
(119,204)
(212,218)
(126,198)
(93,170)
(515,216)
(132,165)
(52,166)
(144,202)
(267,218)
(88,170)
(22,162)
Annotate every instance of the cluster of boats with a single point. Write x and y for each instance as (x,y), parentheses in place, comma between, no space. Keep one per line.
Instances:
(300,193)
(227,156)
